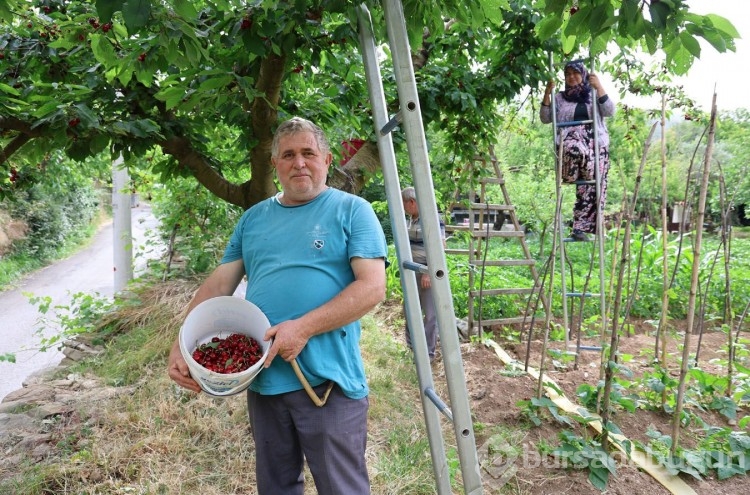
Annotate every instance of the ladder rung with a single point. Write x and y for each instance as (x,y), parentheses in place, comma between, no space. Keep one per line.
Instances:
(581,294)
(492,180)
(497,233)
(391,124)
(500,292)
(491,207)
(457,228)
(581,183)
(461,251)
(417,267)
(574,122)
(442,406)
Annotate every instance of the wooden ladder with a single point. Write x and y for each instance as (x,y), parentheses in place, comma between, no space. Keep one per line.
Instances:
(486,222)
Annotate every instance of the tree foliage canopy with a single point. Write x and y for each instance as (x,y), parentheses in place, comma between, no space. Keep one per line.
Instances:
(196,87)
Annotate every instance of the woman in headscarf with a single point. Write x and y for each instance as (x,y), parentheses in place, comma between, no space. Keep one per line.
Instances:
(578,159)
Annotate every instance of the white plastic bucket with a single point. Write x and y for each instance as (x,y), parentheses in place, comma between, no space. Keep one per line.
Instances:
(220,317)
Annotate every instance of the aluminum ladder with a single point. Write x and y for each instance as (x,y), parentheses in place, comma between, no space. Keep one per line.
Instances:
(409,118)
(598,249)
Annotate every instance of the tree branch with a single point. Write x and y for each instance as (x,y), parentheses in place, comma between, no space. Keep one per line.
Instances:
(26,134)
(13,146)
(182,150)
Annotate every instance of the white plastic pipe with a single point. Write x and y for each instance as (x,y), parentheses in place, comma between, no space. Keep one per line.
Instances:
(122,245)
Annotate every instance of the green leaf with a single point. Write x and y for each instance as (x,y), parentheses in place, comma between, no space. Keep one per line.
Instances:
(98,143)
(598,477)
(63,43)
(103,51)
(192,52)
(46,109)
(613,428)
(569,43)
(107,8)
(547,27)
(555,7)
(697,460)
(216,82)
(638,28)
(254,44)
(79,150)
(9,89)
(723,24)
(739,441)
(716,40)
(493,10)
(144,74)
(185,9)
(124,74)
(136,14)
(577,23)
(602,19)
(88,118)
(691,44)
(728,471)
(172,96)
(659,13)
(682,60)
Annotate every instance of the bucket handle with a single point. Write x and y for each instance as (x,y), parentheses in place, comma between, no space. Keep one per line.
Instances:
(320,402)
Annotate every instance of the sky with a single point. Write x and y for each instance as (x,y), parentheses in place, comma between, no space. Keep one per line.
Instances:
(726,72)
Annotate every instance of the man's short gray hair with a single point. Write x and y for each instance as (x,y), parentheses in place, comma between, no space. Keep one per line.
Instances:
(295,125)
(408,193)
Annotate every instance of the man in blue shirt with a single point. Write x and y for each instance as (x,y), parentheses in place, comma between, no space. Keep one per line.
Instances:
(314,258)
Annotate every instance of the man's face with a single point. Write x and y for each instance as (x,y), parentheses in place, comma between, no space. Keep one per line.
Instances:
(301,168)
(411,208)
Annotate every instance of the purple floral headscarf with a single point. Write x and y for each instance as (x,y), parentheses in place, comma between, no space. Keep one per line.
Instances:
(580,93)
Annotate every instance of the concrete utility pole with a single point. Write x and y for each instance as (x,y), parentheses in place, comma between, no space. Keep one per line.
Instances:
(122,245)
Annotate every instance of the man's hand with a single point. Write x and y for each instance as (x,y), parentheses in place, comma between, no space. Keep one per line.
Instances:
(288,341)
(178,370)
(425,281)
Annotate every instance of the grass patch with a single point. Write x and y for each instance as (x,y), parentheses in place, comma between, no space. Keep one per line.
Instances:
(152,437)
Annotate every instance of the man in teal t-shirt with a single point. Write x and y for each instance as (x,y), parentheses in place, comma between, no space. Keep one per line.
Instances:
(314,258)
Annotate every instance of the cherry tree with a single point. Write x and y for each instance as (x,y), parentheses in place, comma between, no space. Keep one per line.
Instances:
(196,87)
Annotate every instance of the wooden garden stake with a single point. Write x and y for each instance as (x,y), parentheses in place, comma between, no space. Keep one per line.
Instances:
(694,281)
(661,331)
(624,263)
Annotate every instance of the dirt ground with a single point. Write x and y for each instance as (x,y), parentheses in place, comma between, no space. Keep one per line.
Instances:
(494,394)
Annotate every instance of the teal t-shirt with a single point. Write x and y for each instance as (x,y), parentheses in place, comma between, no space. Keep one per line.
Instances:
(297,258)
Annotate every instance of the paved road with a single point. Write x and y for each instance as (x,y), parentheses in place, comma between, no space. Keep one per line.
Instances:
(89,271)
